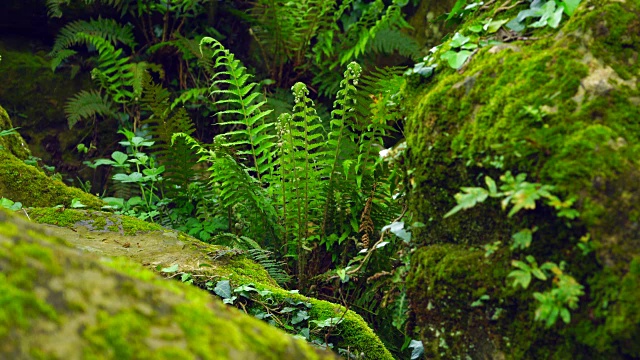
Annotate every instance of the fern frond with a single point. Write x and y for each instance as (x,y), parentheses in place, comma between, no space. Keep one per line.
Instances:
(86,104)
(300,140)
(190,96)
(190,50)
(238,190)
(244,104)
(61,56)
(389,41)
(122,79)
(274,268)
(106,29)
(55,6)
(341,139)
(165,121)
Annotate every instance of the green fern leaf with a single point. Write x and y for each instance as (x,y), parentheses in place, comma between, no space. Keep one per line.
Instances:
(83,32)
(87,104)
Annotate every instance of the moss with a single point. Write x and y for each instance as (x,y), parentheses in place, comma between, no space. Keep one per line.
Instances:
(198,258)
(583,80)
(92,220)
(449,280)
(353,332)
(18,303)
(28,185)
(14,144)
(128,312)
(617,310)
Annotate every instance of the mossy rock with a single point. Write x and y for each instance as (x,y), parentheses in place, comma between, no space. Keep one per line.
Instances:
(562,106)
(29,185)
(112,235)
(64,304)
(14,143)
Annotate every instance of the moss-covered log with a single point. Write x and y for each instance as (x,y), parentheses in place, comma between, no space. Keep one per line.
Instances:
(563,106)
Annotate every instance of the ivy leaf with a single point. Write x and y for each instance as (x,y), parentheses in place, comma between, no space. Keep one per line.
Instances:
(8,204)
(570,6)
(422,69)
(77,204)
(493,26)
(223,289)
(457,8)
(300,316)
(397,228)
(171,269)
(418,349)
(456,59)
(555,18)
(304,333)
(327,322)
(459,40)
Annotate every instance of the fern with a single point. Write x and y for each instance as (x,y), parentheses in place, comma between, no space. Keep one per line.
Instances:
(340,141)
(83,32)
(274,268)
(164,121)
(60,56)
(189,50)
(86,104)
(389,41)
(55,6)
(244,111)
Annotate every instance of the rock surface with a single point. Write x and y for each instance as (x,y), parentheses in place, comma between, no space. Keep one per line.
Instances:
(560,105)
(61,303)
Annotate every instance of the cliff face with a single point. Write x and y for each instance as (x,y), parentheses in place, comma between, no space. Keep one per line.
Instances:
(562,106)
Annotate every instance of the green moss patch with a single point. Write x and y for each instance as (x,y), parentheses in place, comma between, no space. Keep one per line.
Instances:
(562,108)
(28,185)
(92,220)
(120,311)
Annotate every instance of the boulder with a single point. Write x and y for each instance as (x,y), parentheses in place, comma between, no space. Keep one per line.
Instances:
(58,302)
(561,106)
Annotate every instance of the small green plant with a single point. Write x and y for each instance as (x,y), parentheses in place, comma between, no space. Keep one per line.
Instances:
(465,47)
(10,205)
(519,194)
(292,180)
(553,303)
(289,314)
(138,169)
(7,132)
(547,13)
